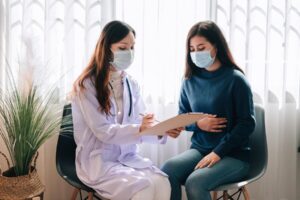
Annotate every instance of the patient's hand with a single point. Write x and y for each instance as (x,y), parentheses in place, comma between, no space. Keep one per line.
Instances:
(208,161)
(212,123)
(174,133)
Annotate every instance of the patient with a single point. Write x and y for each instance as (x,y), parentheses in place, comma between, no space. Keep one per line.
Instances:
(213,84)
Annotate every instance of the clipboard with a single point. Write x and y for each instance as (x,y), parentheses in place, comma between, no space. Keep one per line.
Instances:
(174,122)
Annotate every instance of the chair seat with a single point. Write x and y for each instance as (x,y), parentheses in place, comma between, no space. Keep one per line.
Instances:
(239,184)
(231,186)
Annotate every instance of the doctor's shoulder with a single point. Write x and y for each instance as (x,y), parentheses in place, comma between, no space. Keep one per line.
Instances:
(86,86)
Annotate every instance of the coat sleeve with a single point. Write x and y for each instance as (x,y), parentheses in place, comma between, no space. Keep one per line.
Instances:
(98,122)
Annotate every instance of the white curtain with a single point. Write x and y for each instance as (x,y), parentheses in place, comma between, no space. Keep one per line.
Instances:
(264,37)
(161,28)
(56,38)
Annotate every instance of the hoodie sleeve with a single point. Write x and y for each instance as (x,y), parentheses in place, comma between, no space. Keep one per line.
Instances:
(244,119)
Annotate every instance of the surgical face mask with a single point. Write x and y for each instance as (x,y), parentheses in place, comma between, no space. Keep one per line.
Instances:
(122,59)
(202,59)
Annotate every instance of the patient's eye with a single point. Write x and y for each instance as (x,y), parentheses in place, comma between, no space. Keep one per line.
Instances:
(192,49)
(200,49)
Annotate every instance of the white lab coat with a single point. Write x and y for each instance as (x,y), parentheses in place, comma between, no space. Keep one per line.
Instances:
(106,154)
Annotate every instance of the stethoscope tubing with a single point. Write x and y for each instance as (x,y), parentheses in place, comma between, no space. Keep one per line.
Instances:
(130,97)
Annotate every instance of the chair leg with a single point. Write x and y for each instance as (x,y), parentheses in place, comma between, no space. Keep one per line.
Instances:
(214,195)
(75,193)
(225,195)
(42,196)
(245,193)
(90,196)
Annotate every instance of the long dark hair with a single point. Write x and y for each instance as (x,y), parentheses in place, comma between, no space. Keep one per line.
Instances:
(98,68)
(213,34)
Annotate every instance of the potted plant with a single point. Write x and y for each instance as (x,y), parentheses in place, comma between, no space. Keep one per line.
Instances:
(28,117)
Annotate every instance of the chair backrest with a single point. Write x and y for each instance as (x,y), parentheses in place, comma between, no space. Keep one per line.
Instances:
(259,147)
(66,151)
(66,146)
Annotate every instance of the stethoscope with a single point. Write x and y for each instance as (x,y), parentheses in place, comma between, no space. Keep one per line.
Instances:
(130,96)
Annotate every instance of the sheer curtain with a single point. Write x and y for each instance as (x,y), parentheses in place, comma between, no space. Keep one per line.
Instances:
(263,35)
(265,40)
(56,38)
(161,28)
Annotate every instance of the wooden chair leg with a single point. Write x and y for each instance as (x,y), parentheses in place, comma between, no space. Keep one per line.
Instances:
(90,196)
(214,195)
(225,195)
(42,196)
(75,193)
(245,193)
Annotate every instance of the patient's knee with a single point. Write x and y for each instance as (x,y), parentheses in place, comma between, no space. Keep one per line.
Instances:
(170,167)
(196,184)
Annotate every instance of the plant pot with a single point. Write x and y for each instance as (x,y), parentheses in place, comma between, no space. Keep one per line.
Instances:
(20,187)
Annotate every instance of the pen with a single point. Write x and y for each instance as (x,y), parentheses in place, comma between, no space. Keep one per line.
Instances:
(143,115)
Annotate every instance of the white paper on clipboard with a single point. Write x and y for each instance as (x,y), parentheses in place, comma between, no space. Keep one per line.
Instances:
(180,120)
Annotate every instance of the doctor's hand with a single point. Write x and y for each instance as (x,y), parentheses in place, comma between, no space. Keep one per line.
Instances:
(212,123)
(208,161)
(174,133)
(147,122)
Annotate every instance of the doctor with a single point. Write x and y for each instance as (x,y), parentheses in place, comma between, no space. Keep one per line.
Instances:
(106,108)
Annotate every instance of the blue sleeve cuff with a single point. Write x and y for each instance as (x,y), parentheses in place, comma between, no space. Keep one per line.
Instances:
(221,150)
(192,127)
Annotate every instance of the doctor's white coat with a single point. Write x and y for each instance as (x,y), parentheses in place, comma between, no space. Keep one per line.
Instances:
(106,154)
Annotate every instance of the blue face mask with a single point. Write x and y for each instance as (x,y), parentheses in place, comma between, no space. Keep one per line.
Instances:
(122,59)
(202,59)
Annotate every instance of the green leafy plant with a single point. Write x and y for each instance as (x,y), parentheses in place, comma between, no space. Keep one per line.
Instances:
(29,113)
(27,120)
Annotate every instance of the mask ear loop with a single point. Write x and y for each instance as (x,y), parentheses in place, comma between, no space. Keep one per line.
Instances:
(130,97)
